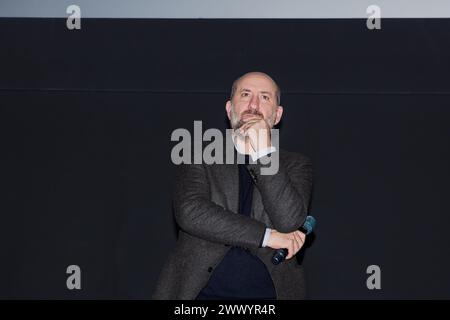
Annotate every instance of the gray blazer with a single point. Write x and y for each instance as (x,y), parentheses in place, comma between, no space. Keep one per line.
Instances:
(206,205)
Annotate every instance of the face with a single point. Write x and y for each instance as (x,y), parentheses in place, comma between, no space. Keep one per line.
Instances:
(255,95)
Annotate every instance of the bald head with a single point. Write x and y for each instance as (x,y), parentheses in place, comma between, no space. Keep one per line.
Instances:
(256,74)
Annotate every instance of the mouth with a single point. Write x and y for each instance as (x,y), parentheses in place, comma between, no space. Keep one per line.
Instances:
(248,115)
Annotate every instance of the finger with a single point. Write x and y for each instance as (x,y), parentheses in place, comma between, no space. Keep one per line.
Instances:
(248,124)
(299,238)
(253,137)
(302,237)
(301,241)
(252,119)
(290,249)
(243,129)
(294,248)
(253,142)
(297,244)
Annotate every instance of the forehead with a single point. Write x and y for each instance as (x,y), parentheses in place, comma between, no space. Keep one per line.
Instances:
(256,82)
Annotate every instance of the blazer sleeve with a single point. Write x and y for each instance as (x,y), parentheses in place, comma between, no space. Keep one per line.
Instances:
(285,194)
(197,215)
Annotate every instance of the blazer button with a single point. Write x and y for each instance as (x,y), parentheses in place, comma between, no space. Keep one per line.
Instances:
(210,269)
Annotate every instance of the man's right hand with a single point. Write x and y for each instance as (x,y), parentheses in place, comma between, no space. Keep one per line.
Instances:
(292,241)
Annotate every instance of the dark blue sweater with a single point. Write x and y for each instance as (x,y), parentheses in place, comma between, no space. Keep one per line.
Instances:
(240,275)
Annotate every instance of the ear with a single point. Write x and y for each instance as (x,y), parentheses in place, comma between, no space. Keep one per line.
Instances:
(228,108)
(279,114)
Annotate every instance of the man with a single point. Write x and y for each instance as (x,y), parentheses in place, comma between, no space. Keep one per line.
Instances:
(232,217)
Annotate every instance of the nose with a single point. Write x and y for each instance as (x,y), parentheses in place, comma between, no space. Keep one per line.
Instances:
(254,102)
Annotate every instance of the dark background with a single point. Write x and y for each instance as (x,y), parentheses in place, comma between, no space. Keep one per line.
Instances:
(86,118)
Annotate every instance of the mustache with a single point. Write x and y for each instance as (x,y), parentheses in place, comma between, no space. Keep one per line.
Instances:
(252,112)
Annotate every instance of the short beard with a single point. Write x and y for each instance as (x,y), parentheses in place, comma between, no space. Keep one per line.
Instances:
(236,122)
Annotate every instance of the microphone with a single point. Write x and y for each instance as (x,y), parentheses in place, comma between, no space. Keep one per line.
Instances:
(307,227)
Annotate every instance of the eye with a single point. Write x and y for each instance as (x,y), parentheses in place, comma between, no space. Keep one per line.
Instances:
(244,94)
(266,97)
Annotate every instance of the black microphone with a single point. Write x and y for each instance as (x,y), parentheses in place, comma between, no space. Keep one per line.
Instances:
(307,227)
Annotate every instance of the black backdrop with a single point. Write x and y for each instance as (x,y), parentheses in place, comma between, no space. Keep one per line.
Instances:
(86,118)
